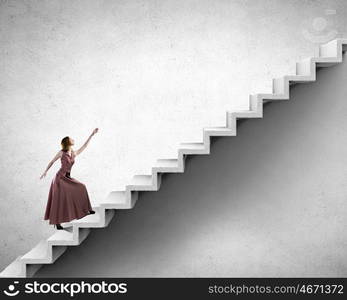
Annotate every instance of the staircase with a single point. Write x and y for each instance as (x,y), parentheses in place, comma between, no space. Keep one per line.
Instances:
(47,251)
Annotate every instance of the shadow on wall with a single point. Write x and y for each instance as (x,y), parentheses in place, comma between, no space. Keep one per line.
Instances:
(269,202)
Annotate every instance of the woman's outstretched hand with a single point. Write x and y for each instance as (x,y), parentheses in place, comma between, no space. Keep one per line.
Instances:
(43,175)
(95,131)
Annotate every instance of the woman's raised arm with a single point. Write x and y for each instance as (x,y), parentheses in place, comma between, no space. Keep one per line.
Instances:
(87,142)
(57,156)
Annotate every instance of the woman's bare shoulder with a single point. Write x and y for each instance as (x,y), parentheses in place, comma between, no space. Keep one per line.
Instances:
(58,155)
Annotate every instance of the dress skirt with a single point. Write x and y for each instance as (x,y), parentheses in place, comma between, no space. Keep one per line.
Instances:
(67,200)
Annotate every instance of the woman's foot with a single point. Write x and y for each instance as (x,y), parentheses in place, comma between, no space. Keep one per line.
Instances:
(91,212)
(58,226)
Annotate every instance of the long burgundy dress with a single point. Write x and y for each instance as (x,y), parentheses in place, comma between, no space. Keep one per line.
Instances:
(68,198)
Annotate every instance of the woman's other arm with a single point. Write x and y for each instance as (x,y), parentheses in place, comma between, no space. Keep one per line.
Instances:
(57,156)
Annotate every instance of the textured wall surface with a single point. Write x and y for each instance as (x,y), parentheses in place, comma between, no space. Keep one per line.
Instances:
(269,202)
(149,74)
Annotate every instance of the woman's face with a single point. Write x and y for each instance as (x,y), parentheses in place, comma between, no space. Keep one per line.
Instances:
(72,141)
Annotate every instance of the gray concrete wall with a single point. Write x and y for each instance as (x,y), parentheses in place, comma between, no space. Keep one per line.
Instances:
(269,202)
(149,74)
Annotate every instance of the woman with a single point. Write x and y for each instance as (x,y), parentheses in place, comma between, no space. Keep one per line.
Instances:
(68,198)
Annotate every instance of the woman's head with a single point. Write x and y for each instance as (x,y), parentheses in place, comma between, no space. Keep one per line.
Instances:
(66,143)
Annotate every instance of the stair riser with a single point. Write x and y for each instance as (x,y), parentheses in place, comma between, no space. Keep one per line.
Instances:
(157,170)
(155,184)
(79,237)
(51,255)
(104,220)
(32,269)
(205,151)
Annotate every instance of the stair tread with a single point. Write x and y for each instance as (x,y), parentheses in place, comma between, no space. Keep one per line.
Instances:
(39,251)
(61,235)
(247,112)
(94,218)
(217,129)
